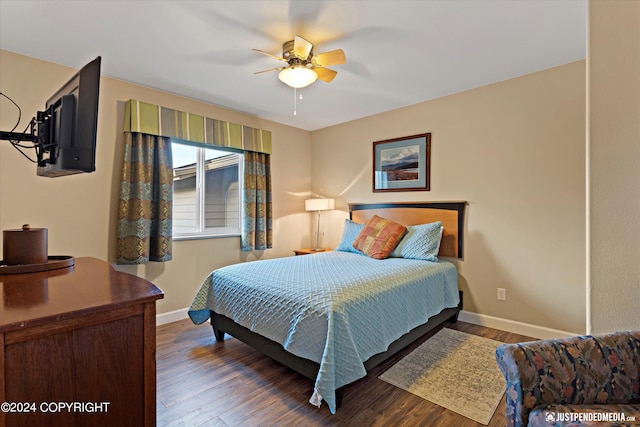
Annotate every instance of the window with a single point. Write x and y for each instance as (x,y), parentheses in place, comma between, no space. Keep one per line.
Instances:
(206,191)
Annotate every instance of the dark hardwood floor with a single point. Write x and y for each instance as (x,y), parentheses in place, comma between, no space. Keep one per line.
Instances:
(202,382)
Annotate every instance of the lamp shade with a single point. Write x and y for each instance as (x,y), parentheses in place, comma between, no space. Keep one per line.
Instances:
(297,77)
(319,204)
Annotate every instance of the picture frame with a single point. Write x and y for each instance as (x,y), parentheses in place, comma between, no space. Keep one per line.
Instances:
(402,164)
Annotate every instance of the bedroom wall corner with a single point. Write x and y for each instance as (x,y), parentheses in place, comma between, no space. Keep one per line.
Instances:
(80,210)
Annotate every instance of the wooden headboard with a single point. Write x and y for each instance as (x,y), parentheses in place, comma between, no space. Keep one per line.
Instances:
(451,214)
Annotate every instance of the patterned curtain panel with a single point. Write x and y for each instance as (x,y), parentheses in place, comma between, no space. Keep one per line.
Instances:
(257,232)
(146,197)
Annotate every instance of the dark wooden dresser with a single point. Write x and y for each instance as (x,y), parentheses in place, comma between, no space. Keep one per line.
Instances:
(77,347)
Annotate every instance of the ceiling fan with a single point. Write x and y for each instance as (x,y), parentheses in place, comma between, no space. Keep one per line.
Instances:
(303,66)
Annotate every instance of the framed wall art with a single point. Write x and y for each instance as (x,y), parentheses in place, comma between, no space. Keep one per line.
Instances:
(402,164)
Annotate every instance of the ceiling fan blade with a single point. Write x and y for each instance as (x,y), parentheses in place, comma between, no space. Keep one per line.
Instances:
(334,57)
(273,69)
(270,54)
(325,74)
(301,47)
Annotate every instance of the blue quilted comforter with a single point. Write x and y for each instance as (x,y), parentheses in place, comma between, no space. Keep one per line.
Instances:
(335,308)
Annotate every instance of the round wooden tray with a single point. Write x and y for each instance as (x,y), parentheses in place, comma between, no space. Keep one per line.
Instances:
(54,262)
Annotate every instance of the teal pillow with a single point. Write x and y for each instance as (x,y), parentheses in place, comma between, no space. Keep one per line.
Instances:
(349,234)
(420,242)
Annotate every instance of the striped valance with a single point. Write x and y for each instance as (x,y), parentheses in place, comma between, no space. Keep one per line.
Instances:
(161,121)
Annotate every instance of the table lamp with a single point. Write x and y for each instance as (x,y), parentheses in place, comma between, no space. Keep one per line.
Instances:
(318,205)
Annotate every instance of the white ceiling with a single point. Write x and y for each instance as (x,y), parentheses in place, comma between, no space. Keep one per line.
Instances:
(399,52)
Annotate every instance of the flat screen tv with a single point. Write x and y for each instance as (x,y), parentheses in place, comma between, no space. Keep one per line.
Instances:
(66,130)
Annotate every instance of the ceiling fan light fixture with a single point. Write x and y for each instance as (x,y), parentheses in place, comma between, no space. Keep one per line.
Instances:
(297,77)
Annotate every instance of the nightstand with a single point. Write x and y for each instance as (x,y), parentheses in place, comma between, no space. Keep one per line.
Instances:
(307,251)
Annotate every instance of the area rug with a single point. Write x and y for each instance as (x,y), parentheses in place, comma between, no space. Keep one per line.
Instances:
(455,370)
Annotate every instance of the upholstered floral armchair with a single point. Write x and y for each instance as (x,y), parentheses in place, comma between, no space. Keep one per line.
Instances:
(584,380)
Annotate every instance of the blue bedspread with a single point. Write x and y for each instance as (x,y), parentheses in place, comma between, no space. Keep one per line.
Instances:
(335,308)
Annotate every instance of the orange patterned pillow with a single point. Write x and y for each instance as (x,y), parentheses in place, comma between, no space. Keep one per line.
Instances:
(379,237)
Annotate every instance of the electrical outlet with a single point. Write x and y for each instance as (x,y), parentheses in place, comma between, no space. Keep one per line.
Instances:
(502,294)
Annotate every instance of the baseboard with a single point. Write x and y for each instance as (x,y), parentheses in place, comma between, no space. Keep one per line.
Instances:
(172,316)
(526,329)
(534,331)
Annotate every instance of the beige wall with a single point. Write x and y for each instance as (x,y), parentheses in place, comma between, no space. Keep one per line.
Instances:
(614,163)
(80,210)
(515,151)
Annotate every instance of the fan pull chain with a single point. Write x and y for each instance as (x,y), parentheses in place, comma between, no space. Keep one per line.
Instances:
(295,100)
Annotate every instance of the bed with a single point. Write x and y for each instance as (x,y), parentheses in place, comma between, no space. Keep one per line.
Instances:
(332,316)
